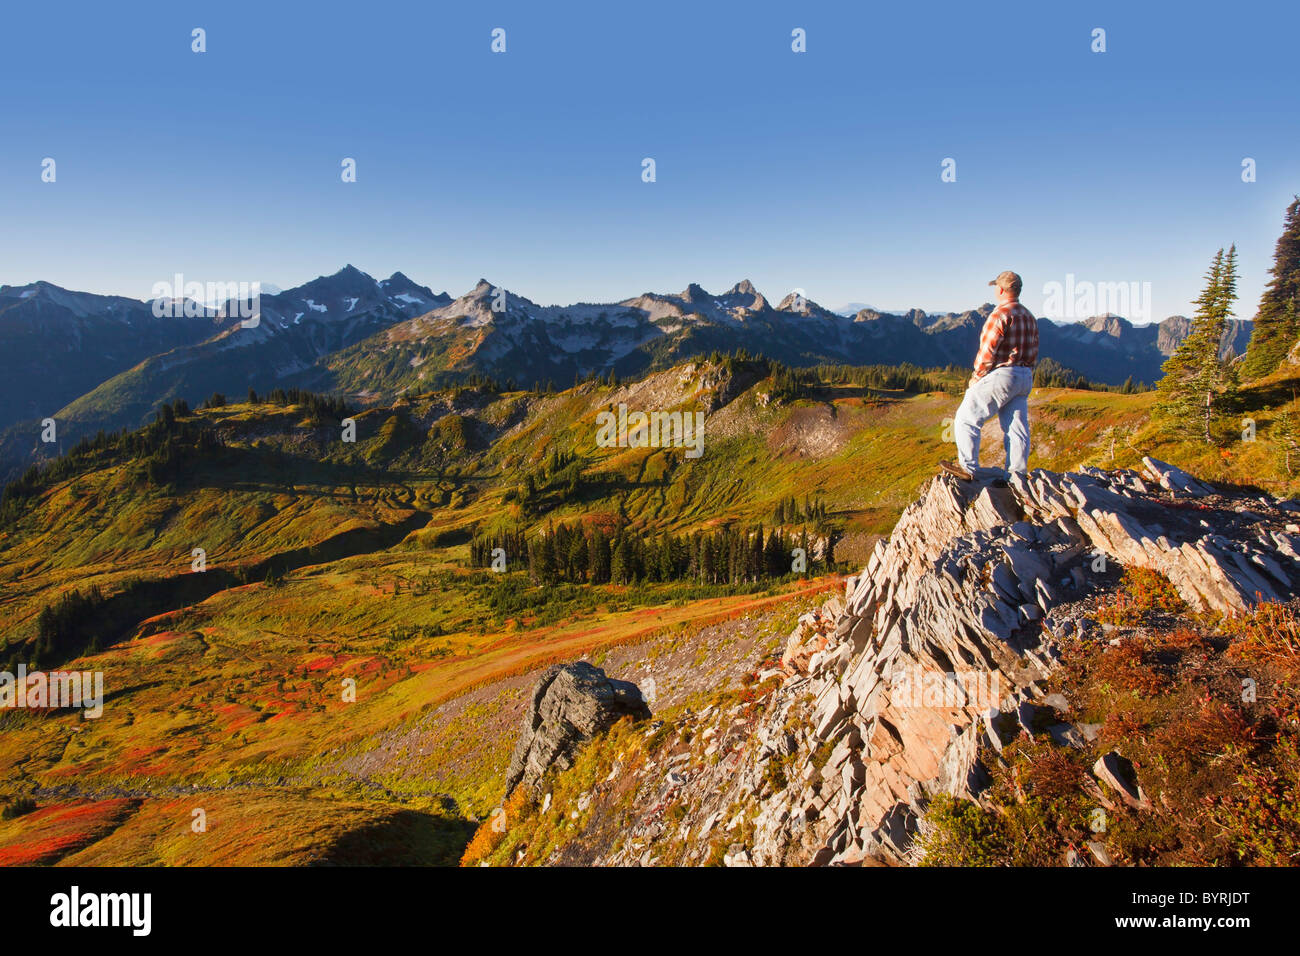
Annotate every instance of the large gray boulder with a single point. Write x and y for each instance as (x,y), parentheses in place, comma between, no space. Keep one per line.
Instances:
(571,704)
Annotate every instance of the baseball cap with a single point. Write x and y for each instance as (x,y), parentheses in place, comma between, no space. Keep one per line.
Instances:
(1008,280)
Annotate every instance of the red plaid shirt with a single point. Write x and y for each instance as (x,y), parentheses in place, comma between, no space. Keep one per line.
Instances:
(1009,337)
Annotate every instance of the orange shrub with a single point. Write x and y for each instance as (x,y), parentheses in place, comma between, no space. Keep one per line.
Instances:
(1141,592)
(493,830)
(1268,632)
(1126,667)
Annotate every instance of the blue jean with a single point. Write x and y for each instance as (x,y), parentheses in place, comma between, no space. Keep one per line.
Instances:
(1003,392)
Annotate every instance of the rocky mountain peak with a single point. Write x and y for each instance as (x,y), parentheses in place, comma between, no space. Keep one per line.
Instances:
(348,281)
(41,294)
(1108,324)
(868,315)
(398,282)
(16,291)
(791,304)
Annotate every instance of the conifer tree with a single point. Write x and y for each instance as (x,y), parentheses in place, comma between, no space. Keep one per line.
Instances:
(541,561)
(1198,387)
(1276,325)
(598,557)
(621,564)
(579,552)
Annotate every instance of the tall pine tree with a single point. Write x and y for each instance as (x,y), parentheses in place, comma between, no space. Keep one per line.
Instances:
(1198,387)
(1276,324)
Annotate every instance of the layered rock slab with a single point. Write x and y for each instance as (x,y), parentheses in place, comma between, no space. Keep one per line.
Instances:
(948,632)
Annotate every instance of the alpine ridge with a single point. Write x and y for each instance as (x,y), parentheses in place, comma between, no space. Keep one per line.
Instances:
(348,332)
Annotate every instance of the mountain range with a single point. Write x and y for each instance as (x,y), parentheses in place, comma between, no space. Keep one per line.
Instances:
(103,362)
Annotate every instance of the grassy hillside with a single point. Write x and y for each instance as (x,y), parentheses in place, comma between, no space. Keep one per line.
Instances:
(336,568)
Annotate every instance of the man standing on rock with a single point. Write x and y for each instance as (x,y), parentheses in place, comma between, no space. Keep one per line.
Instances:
(1003,379)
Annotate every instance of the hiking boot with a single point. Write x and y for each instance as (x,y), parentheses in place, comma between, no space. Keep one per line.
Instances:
(956,470)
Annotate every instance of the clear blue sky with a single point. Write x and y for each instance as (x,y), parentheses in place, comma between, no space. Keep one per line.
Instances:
(818,170)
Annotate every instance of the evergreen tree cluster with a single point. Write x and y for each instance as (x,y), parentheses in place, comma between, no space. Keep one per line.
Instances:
(322,408)
(513,543)
(609,378)
(67,627)
(787,511)
(480,384)
(161,450)
(906,377)
(1049,373)
(558,482)
(578,554)
(791,383)
(158,450)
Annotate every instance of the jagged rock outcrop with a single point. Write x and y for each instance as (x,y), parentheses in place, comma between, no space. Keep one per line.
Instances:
(934,658)
(570,704)
(949,630)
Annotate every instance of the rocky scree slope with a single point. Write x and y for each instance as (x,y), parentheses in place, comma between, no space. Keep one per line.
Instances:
(884,697)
